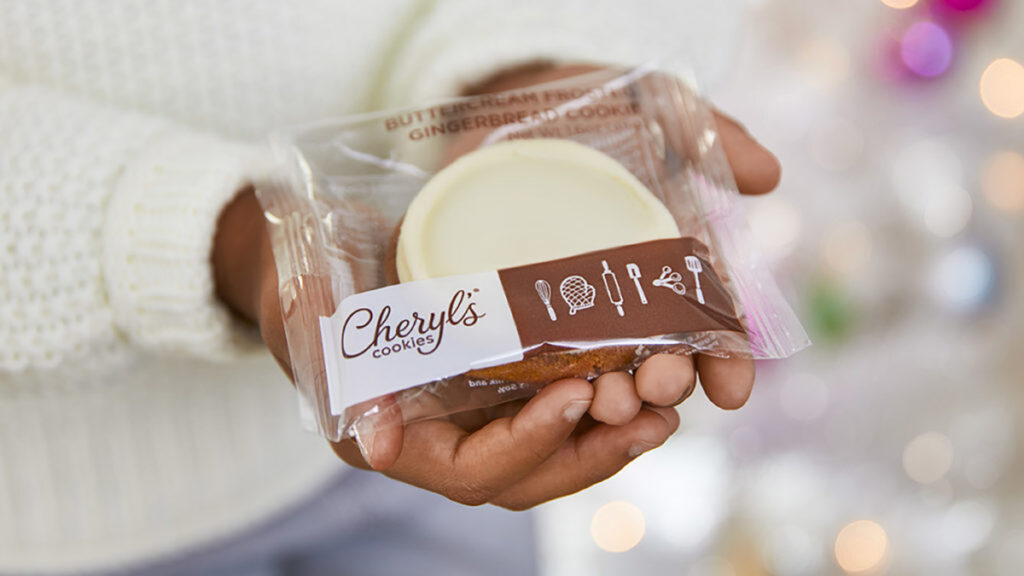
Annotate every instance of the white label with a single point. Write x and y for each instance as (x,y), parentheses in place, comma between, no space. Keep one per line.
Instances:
(389,339)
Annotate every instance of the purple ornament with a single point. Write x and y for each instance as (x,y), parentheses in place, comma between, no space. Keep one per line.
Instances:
(926,49)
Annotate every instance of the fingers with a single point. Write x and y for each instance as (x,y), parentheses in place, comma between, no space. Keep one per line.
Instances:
(378,434)
(726,381)
(615,399)
(474,468)
(592,457)
(665,379)
(662,380)
(757,171)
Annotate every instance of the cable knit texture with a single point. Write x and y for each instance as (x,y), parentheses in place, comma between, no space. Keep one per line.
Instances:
(125,126)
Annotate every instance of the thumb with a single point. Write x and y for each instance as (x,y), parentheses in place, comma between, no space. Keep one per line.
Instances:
(378,431)
(756,169)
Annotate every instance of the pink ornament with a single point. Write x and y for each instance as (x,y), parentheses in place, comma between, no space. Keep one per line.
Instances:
(962,12)
(964,5)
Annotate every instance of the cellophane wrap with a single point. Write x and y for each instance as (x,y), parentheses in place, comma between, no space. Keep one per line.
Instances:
(334,212)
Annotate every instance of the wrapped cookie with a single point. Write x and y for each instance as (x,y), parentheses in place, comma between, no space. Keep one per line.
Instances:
(465,254)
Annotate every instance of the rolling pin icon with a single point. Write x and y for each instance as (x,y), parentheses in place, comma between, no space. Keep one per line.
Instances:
(610,282)
(634,273)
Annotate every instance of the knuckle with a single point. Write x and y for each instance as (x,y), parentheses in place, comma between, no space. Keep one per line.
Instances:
(535,454)
(468,494)
(598,475)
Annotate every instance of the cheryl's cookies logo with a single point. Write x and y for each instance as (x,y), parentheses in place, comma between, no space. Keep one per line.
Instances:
(373,331)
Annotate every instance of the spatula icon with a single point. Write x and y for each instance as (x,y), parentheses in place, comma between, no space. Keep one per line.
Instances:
(693,265)
(634,273)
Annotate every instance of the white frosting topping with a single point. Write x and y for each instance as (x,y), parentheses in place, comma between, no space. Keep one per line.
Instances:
(522,202)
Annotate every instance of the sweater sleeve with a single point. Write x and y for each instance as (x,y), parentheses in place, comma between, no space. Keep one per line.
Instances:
(106,227)
(459,42)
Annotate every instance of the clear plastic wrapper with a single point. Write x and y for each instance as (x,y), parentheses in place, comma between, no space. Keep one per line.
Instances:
(466,253)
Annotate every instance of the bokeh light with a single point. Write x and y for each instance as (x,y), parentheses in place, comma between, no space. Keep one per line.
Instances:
(782,487)
(1002,88)
(688,518)
(617,526)
(984,441)
(792,550)
(775,224)
(1003,181)
(836,144)
(926,49)
(928,176)
(949,211)
(964,527)
(900,4)
(962,279)
(862,547)
(825,61)
(846,248)
(804,397)
(928,457)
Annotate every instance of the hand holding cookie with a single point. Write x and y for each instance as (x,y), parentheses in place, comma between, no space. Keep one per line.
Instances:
(573,432)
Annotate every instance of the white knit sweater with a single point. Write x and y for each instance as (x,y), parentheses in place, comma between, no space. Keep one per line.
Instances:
(135,420)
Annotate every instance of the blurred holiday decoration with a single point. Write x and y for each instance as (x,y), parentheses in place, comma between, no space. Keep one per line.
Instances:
(926,45)
(896,444)
(1003,181)
(926,49)
(1002,88)
(900,4)
(617,526)
(861,547)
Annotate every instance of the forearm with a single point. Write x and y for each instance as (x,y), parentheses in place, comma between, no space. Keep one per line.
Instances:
(527,75)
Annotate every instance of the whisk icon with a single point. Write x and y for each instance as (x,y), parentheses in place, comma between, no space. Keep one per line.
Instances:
(544,291)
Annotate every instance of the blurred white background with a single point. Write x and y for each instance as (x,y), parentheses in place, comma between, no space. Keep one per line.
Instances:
(894,445)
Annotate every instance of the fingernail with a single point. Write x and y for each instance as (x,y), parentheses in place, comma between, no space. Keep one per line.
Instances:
(682,398)
(639,448)
(575,410)
(660,410)
(363,433)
